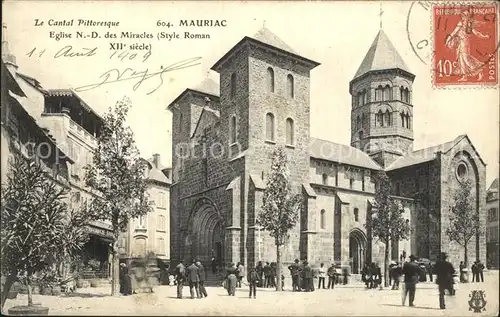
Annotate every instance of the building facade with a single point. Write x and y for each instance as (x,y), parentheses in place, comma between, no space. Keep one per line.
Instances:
(224,134)
(74,126)
(492,226)
(151,233)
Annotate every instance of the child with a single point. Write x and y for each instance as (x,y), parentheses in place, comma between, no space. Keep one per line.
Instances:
(252,278)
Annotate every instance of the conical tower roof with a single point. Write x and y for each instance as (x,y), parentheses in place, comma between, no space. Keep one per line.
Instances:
(269,38)
(381,55)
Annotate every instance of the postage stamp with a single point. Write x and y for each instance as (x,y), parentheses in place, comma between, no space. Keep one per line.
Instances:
(465,45)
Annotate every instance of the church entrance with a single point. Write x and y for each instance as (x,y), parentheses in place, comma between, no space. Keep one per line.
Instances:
(357,250)
(205,233)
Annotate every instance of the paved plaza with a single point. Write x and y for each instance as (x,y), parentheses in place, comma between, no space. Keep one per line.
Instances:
(351,299)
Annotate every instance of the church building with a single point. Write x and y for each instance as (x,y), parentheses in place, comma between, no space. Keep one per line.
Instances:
(224,134)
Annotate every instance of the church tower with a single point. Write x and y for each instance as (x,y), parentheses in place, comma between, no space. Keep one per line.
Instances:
(382,110)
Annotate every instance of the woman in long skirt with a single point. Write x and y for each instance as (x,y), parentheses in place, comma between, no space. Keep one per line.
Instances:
(231,279)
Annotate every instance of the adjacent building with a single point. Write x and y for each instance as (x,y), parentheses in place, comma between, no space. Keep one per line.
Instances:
(492,226)
(224,134)
(151,233)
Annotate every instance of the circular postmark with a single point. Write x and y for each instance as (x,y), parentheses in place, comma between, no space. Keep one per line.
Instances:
(461,41)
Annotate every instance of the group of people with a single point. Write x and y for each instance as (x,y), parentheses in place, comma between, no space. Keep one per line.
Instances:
(195,275)
(303,276)
(371,275)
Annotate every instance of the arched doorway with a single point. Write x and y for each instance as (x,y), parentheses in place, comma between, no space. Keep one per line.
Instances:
(357,250)
(205,236)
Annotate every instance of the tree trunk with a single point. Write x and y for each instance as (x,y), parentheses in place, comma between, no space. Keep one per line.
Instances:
(8,284)
(115,272)
(30,294)
(466,262)
(278,269)
(386,268)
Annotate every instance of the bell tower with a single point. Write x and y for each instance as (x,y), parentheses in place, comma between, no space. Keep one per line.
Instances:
(382,110)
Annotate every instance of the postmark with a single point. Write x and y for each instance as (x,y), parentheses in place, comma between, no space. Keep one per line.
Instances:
(465,45)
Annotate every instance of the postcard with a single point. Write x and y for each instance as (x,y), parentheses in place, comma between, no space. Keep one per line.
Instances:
(250,158)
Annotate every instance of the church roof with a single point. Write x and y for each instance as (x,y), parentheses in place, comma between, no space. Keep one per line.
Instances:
(494,186)
(331,151)
(426,154)
(209,87)
(267,38)
(381,55)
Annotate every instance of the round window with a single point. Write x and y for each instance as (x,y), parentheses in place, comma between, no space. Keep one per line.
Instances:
(461,171)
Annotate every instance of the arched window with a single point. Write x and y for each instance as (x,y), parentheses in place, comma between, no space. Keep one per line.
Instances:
(360,135)
(270,80)
(379,93)
(325,179)
(290,86)
(356,214)
(407,95)
(408,121)
(387,118)
(289,131)
(358,123)
(402,119)
(181,122)
(360,99)
(365,97)
(140,246)
(363,120)
(233,129)
(387,92)
(323,219)
(233,85)
(380,118)
(270,127)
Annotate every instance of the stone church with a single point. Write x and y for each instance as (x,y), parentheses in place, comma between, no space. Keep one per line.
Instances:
(224,134)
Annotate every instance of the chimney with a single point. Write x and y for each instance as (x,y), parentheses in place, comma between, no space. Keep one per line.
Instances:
(7,57)
(156,160)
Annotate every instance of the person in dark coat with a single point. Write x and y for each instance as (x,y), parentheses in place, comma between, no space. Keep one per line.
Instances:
(295,272)
(430,270)
(260,272)
(331,276)
(214,265)
(444,278)
(180,277)
(412,272)
(272,276)
(125,280)
(480,269)
(202,276)
(366,275)
(252,279)
(308,277)
(475,273)
(267,275)
(193,279)
(231,279)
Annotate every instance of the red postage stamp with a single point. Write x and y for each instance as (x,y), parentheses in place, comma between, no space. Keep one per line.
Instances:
(465,45)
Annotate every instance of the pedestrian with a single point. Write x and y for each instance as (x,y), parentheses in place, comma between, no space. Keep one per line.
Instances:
(397,272)
(475,273)
(331,276)
(480,269)
(267,275)
(308,277)
(214,265)
(345,273)
(231,279)
(411,270)
(322,276)
(430,270)
(202,276)
(444,278)
(125,280)
(193,279)
(273,275)
(391,267)
(366,275)
(463,272)
(180,272)
(241,273)
(252,278)
(260,272)
(294,272)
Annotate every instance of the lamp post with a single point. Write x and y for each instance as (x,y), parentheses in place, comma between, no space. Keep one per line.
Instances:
(259,240)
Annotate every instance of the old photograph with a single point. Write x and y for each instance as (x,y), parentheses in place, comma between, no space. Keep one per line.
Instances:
(281,158)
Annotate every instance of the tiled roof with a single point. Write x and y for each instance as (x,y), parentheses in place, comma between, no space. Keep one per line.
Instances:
(156,174)
(494,186)
(423,155)
(209,87)
(340,153)
(72,93)
(269,38)
(381,55)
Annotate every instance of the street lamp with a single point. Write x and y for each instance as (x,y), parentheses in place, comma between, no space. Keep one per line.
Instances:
(259,240)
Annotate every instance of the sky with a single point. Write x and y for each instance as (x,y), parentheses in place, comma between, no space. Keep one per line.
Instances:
(335,34)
